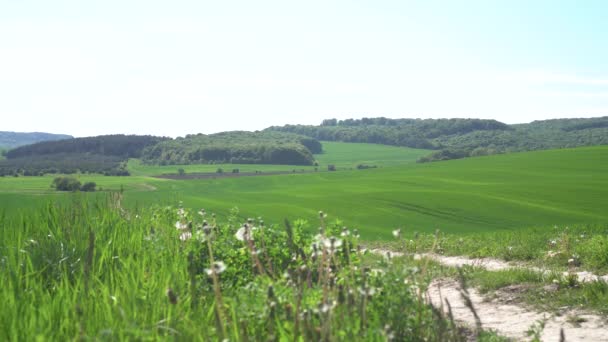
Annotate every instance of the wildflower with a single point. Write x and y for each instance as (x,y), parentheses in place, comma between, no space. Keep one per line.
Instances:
(181,212)
(345,232)
(356,233)
(332,243)
(553,243)
(217,268)
(510,248)
(185,236)
(397,233)
(245,233)
(181,225)
(201,212)
(367,291)
(327,307)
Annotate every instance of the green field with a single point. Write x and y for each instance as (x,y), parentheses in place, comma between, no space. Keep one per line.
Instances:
(508,191)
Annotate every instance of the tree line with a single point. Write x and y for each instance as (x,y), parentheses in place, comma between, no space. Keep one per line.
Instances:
(459,138)
(235,148)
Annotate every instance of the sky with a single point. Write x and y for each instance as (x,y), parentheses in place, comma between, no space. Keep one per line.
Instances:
(173,68)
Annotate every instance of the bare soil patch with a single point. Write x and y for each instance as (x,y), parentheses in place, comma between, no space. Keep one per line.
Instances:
(512,320)
(213,175)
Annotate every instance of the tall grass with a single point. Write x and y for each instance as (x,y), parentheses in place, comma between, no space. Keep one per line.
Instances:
(98,271)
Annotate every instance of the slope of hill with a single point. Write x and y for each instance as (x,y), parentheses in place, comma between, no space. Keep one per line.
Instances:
(10,140)
(458,138)
(507,191)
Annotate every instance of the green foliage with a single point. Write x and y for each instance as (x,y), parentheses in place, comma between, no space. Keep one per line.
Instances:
(64,163)
(415,133)
(365,166)
(66,184)
(103,154)
(103,272)
(88,187)
(235,148)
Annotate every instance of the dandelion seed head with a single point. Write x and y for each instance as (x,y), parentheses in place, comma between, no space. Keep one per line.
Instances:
(181,225)
(185,236)
(216,268)
(397,233)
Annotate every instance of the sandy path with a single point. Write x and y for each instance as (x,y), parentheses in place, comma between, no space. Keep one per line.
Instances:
(493,264)
(510,320)
(513,320)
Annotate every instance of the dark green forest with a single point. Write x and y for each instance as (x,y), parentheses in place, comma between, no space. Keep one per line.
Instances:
(236,148)
(106,154)
(460,138)
(124,146)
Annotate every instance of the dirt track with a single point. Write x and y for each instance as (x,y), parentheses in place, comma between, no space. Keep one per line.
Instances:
(510,319)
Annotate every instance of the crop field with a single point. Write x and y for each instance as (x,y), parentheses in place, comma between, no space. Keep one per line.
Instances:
(499,192)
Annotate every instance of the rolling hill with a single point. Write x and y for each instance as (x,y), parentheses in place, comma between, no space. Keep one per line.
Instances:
(10,140)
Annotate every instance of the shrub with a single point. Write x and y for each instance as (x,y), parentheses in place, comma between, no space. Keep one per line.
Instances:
(66,184)
(331,167)
(88,187)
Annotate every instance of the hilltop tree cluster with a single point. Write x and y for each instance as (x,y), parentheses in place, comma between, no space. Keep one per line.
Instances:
(235,148)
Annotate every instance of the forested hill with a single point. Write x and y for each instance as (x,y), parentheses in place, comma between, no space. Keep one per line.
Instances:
(235,147)
(458,138)
(10,140)
(106,154)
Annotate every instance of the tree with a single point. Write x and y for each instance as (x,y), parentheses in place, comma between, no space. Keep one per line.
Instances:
(88,187)
(66,184)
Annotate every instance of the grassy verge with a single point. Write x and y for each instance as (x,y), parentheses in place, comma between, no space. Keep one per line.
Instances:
(99,271)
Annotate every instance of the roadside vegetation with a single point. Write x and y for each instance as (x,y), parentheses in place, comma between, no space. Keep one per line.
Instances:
(105,272)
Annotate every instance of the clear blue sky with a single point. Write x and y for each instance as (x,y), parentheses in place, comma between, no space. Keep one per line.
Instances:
(178,67)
